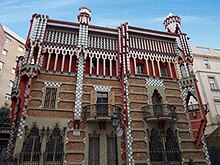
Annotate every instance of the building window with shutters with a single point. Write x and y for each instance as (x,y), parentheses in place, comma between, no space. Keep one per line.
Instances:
(50,97)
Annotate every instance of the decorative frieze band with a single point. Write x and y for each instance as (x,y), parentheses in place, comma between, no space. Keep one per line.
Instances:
(102,88)
(52,84)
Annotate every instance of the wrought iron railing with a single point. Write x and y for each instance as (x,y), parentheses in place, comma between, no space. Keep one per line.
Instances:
(29,158)
(160,111)
(165,157)
(193,107)
(96,111)
(54,158)
(196,107)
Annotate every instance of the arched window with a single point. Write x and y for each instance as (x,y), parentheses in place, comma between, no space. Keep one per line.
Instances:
(164,147)
(54,147)
(191,102)
(183,71)
(156,146)
(32,146)
(157,101)
(172,147)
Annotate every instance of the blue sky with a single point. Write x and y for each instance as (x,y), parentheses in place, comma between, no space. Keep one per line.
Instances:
(200,18)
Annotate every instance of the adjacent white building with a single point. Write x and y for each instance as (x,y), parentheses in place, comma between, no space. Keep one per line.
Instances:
(207,71)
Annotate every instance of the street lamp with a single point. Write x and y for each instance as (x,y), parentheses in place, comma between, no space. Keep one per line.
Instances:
(115,123)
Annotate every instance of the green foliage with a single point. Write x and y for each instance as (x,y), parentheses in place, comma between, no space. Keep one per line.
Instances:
(4,117)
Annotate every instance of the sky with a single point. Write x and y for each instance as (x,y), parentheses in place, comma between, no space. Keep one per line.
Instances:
(200,19)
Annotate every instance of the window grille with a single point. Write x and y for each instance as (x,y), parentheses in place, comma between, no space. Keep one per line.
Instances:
(54,148)
(156,146)
(31,147)
(172,147)
(164,147)
(50,97)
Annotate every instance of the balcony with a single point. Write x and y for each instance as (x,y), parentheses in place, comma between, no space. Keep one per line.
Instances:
(53,158)
(160,112)
(29,158)
(100,112)
(193,108)
(166,157)
(196,107)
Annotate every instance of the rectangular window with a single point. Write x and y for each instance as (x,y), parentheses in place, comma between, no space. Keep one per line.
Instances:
(13,71)
(7,97)
(11,83)
(111,149)
(4,52)
(140,68)
(8,41)
(217,106)
(212,83)
(50,97)
(93,150)
(1,65)
(94,65)
(102,104)
(20,49)
(163,70)
(206,63)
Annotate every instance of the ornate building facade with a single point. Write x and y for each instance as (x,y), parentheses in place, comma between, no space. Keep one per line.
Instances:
(86,94)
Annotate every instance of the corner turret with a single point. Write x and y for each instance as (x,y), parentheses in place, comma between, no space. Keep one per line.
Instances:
(172,24)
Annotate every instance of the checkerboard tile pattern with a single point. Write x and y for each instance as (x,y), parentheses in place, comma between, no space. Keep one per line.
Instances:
(52,84)
(154,82)
(102,88)
(79,85)
(205,149)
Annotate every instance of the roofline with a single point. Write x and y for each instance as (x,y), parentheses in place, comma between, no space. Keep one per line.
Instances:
(152,32)
(113,30)
(13,34)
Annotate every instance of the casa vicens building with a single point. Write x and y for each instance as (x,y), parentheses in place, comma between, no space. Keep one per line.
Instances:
(86,94)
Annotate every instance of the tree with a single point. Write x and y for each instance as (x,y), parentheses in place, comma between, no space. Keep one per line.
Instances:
(4,117)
